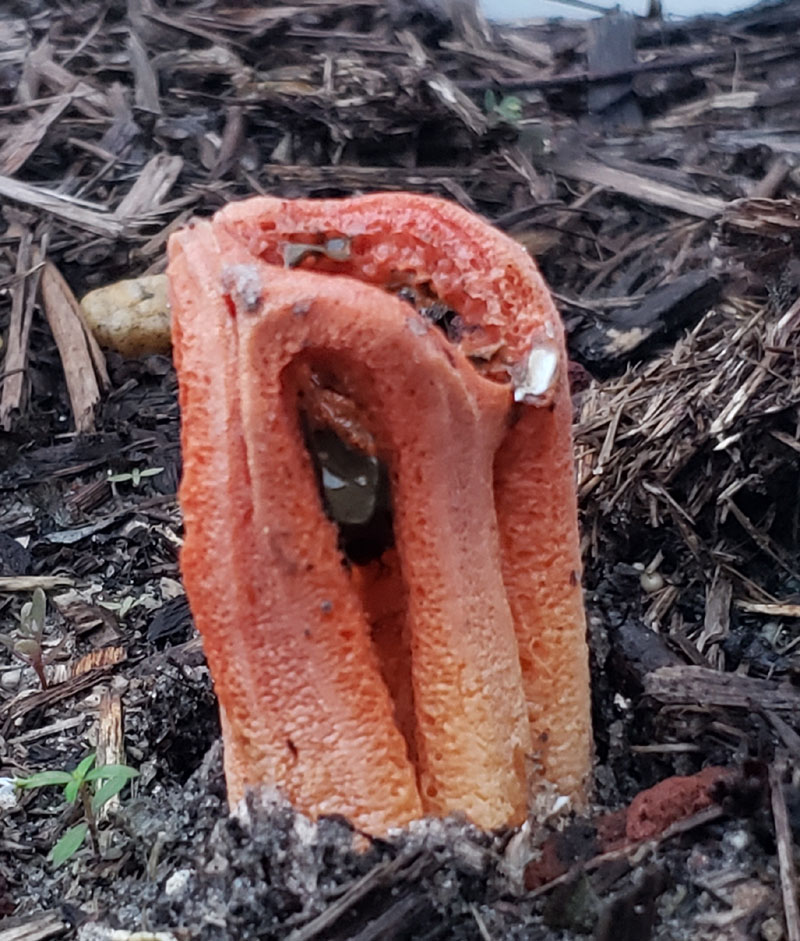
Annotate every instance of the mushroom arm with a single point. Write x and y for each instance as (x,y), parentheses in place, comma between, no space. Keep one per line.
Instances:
(305,705)
(510,326)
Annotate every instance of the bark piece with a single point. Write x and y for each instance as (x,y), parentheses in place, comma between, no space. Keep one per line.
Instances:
(83,363)
(627,333)
(19,327)
(693,684)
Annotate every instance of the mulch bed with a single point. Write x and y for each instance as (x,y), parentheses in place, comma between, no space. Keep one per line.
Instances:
(651,168)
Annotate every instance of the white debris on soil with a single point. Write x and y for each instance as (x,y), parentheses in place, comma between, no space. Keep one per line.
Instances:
(177,883)
(10,679)
(92,932)
(8,795)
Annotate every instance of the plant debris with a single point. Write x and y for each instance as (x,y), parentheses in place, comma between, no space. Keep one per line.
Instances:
(651,168)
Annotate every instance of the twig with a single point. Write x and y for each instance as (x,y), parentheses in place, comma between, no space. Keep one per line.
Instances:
(68,210)
(30,582)
(22,705)
(23,296)
(484,931)
(583,5)
(640,849)
(392,872)
(666,64)
(641,187)
(36,927)
(783,837)
(775,609)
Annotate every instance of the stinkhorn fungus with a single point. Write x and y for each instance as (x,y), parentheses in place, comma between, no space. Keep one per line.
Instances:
(381,544)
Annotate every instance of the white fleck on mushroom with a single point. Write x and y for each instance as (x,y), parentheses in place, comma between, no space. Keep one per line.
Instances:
(536,378)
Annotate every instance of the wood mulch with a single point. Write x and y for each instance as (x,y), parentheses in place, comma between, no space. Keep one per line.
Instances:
(652,169)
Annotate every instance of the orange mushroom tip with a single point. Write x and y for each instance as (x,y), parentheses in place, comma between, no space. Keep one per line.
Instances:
(381,545)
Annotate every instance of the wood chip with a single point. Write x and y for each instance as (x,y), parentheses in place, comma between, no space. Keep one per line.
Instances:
(98,659)
(72,211)
(87,99)
(785,841)
(717,619)
(145,77)
(687,685)
(27,137)
(23,296)
(110,740)
(81,358)
(631,330)
(611,45)
(776,610)
(154,183)
(640,186)
(36,927)
(31,582)
(22,704)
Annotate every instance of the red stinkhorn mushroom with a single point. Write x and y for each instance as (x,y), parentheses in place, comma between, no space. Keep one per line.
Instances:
(437,677)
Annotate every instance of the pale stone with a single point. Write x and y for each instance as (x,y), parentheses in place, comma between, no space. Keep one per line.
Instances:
(131,317)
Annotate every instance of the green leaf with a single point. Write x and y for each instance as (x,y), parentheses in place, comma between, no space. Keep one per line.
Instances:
(27,647)
(44,779)
(80,772)
(109,789)
(118,478)
(69,844)
(38,610)
(510,108)
(112,771)
(71,790)
(489,100)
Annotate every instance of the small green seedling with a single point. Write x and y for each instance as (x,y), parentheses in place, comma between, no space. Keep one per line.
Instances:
(121,608)
(135,475)
(28,645)
(507,109)
(91,788)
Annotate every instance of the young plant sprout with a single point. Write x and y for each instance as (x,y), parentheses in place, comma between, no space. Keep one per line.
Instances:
(86,787)
(28,644)
(134,476)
